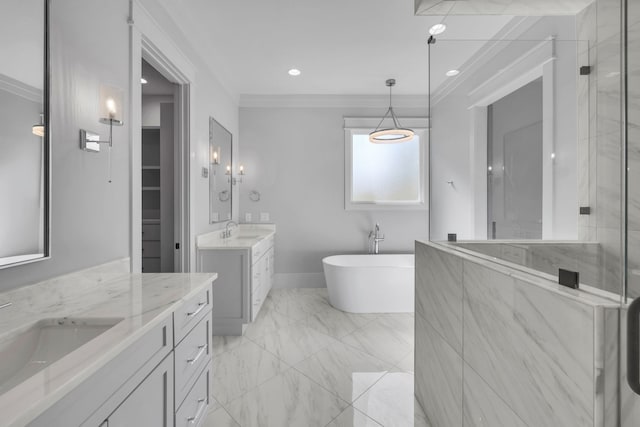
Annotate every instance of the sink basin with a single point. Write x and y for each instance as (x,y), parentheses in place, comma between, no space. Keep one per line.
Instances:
(24,354)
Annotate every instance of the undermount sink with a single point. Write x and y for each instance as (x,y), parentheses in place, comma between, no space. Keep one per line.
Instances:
(24,354)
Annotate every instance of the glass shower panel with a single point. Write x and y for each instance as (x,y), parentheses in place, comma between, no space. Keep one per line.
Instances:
(516,158)
(630,400)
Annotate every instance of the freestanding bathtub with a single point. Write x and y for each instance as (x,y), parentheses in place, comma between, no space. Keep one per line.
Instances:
(370,283)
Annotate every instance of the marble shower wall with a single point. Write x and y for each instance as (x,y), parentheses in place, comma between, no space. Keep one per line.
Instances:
(507,348)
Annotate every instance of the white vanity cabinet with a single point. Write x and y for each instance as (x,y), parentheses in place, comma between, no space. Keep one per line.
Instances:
(151,403)
(160,380)
(245,277)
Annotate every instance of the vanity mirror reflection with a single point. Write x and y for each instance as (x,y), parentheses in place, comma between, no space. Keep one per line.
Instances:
(220,179)
(24,132)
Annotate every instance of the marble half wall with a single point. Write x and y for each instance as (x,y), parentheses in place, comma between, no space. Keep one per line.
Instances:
(530,354)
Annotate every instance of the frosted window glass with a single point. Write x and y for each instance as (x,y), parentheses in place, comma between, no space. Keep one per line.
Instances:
(385,173)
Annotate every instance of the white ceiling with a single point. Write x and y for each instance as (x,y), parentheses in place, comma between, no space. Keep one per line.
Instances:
(341,46)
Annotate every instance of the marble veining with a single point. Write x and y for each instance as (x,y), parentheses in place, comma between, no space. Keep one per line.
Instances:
(514,342)
(323,388)
(438,383)
(391,402)
(141,300)
(439,292)
(289,399)
(368,338)
(351,417)
(482,406)
(242,369)
(343,370)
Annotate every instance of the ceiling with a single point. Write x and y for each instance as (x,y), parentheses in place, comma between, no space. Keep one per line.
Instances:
(346,47)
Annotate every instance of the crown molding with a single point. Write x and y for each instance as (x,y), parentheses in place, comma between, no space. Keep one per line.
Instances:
(20,89)
(332,101)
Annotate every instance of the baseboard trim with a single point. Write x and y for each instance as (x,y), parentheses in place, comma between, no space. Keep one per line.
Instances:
(299,280)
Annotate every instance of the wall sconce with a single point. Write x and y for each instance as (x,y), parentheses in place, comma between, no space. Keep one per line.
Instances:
(38,128)
(111,102)
(234,180)
(214,156)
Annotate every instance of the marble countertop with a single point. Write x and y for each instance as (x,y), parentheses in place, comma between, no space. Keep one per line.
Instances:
(141,300)
(242,237)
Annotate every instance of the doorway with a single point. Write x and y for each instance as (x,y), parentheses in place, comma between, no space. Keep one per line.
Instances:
(514,164)
(159,185)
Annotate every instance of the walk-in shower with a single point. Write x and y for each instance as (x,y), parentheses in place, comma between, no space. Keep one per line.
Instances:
(535,167)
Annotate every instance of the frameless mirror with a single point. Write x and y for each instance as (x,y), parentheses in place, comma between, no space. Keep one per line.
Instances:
(220,158)
(24,132)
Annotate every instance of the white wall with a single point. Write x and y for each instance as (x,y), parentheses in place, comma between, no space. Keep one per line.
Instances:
(452,206)
(294,156)
(151,108)
(90,217)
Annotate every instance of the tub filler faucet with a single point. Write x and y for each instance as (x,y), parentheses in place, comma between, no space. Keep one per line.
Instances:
(376,237)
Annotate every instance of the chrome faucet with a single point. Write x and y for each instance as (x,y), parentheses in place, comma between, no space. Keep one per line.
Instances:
(376,237)
(227,229)
(6,304)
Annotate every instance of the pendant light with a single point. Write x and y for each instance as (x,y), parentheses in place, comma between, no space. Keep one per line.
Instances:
(390,135)
(38,128)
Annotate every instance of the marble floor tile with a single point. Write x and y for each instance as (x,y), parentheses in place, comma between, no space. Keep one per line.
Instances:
(289,399)
(407,364)
(241,370)
(221,344)
(268,321)
(351,417)
(300,306)
(219,418)
(391,403)
(382,339)
(343,370)
(337,323)
(294,343)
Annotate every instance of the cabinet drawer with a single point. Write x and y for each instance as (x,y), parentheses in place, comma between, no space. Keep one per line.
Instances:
(191,355)
(193,410)
(150,249)
(150,231)
(187,316)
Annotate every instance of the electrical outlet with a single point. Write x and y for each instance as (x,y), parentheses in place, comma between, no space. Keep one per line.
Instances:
(264,216)
(248,217)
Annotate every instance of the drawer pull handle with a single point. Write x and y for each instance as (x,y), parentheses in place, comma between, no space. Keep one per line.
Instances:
(201,306)
(203,349)
(202,403)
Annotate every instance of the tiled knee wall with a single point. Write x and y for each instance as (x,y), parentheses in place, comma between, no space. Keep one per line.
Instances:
(496,349)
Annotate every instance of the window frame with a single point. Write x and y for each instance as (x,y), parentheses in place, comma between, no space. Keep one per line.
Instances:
(360,126)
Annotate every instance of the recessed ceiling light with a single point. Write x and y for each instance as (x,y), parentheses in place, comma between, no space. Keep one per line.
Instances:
(143,80)
(437,29)
(452,73)
(294,72)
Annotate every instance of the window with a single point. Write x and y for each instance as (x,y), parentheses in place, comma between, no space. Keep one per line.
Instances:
(384,176)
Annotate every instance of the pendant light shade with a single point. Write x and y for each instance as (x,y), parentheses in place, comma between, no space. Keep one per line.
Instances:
(38,128)
(390,135)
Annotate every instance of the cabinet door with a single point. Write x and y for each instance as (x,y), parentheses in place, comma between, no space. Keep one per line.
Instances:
(151,403)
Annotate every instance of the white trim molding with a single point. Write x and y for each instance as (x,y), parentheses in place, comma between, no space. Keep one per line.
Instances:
(23,90)
(333,101)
